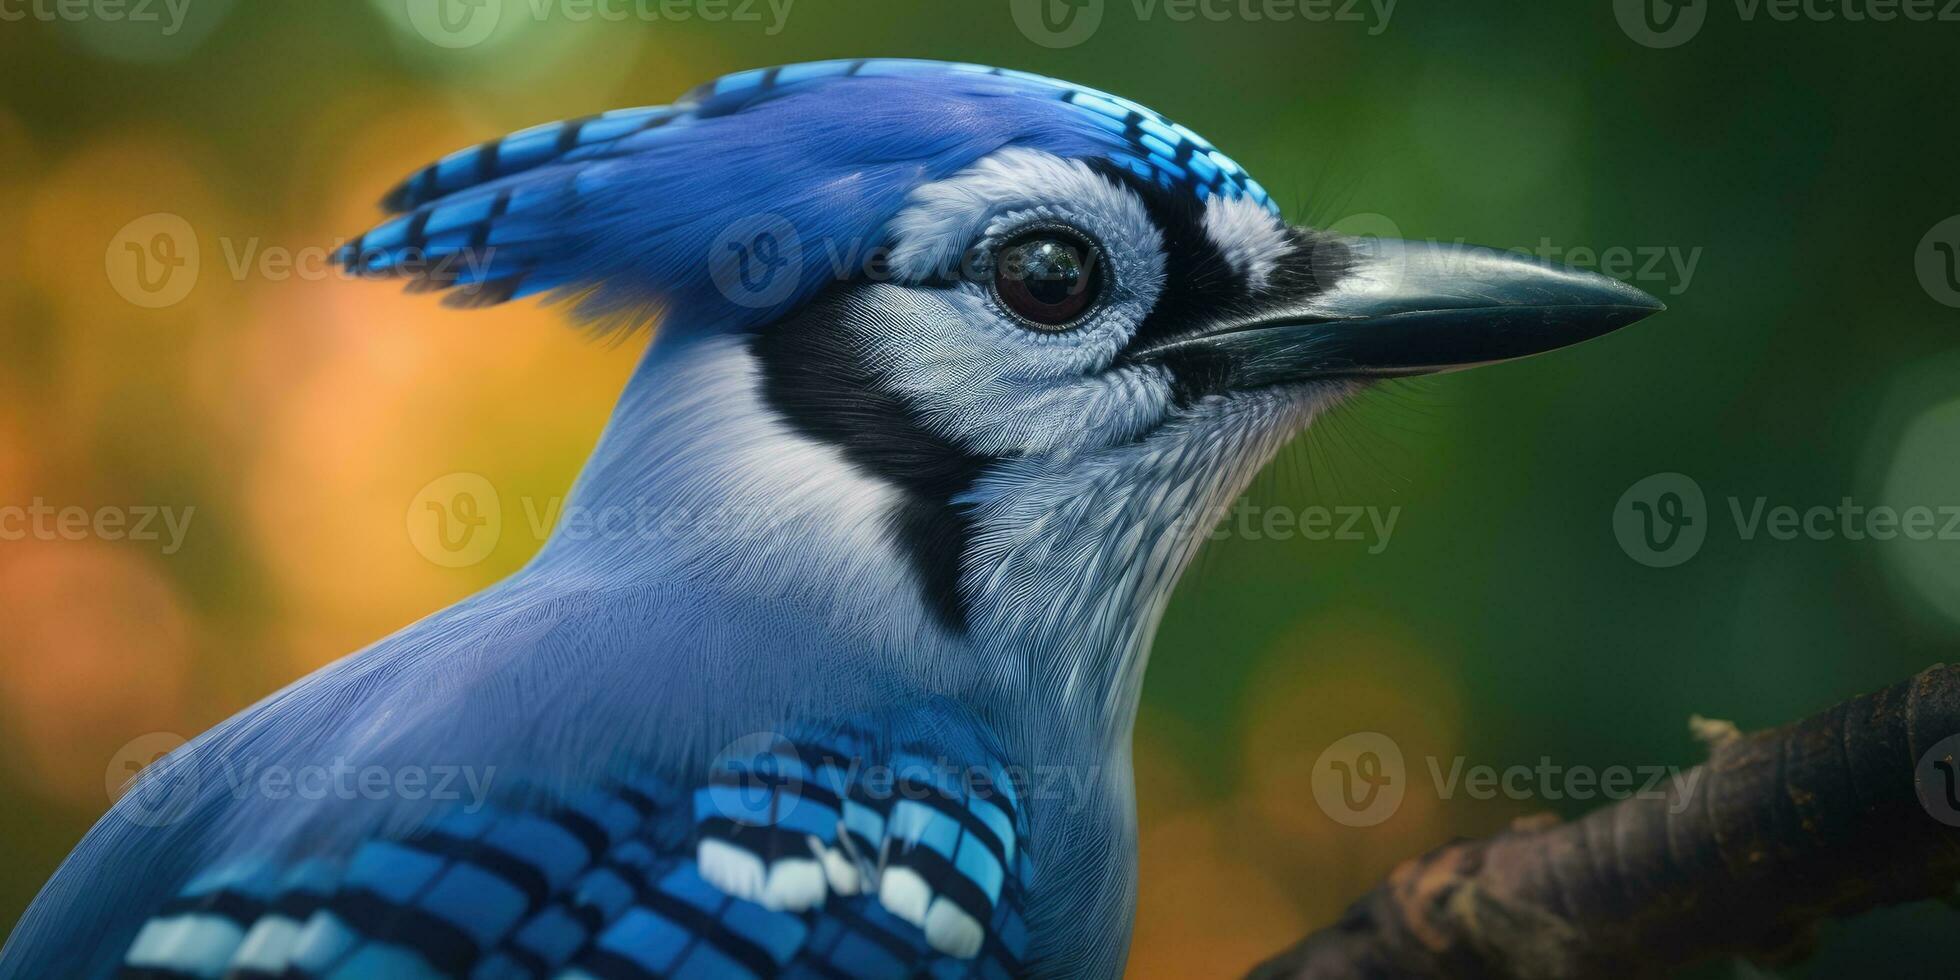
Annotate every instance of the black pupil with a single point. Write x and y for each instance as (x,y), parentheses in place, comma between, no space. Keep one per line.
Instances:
(1053,271)
(1044,279)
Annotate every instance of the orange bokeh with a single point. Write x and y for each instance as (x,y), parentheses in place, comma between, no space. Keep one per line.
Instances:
(98,647)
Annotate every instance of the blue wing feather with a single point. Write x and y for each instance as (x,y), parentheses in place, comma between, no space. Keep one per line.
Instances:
(610,885)
(582,688)
(583,684)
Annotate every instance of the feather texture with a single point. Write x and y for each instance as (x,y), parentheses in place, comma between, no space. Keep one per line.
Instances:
(875,516)
(626,210)
(618,883)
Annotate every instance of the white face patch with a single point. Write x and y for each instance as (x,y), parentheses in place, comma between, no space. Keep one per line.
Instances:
(980,378)
(943,219)
(715,457)
(1248,236)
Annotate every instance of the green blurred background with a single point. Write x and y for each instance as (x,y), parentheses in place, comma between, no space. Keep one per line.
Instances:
(1804,167)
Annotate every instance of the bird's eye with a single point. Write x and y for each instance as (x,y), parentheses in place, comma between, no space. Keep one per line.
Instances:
(1048,278)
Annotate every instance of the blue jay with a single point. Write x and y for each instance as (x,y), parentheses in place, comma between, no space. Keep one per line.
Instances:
(964,351)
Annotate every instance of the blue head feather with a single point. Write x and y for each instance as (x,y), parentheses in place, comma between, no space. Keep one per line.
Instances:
(904,515)
(624,209)
(1038,476)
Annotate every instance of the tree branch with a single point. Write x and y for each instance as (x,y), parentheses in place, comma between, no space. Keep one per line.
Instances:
(1746,855)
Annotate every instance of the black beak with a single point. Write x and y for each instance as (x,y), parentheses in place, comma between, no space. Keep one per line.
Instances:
(1399,308)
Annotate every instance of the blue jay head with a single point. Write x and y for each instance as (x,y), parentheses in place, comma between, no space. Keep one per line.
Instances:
(1043,326)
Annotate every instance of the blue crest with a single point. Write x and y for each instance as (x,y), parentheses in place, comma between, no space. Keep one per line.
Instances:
(631,211)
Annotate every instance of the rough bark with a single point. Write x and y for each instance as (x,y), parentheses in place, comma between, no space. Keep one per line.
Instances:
(1783,829)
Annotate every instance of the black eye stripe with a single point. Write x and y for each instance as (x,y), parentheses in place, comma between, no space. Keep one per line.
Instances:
(1198,279)
(1201,285)
(818,378)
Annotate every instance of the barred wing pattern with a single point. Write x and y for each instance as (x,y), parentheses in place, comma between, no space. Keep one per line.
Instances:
(802,859)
